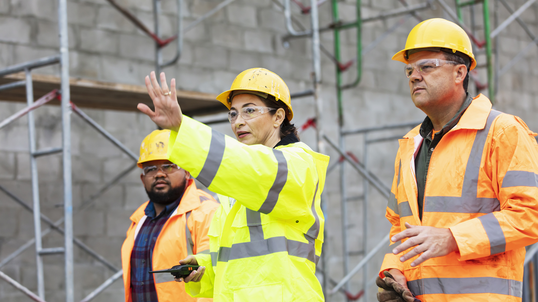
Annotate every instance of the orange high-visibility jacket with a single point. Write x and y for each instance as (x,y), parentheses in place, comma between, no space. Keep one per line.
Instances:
(196,210)
(482,184)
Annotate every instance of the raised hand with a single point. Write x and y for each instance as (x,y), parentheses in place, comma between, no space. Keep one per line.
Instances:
(167,114)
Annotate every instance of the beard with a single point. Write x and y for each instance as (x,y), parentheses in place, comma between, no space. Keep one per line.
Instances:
(165,198)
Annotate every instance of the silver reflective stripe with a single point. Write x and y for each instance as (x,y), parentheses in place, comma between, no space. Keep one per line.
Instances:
(313,232)
(214,256)
(266,247)
(190,244)
(405,209)
(468,202)
(393,204)
(476,285)
(214,158)
(280,180)
(165,277)
(254,223)
(497,241)
(520,178)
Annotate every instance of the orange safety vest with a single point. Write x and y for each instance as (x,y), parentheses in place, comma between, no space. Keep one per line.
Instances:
(196,211)
(483,185)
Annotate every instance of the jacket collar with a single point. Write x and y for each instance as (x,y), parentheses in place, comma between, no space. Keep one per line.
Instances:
(189,202)
(474,118)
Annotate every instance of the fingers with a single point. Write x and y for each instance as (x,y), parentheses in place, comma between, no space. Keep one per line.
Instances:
(189,260)
(145,109)
(196,275)
(149,87)
(381,283)
(173,87)
(388,296)
(418,249)
(425,256)
(164,85)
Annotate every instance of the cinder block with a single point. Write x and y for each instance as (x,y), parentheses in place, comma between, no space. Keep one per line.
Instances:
(87,167)
(42,9)
(273,19)
(117,222)
(108,247)
(90,223)
(243,15)
(223,79)
(260,41)
(21,35)
(87,66)
(136,47)
(7,165)
(5,7)
(114,68)
(23,54)
(135,195)
(82,13)
(101,41)
(197,33)
(8,222)
(278,65)
(14,138)
(6,56)
(241,60)
(200,8)
(112,198)
(229,36)
(108,17)
(214,57)
(114,166)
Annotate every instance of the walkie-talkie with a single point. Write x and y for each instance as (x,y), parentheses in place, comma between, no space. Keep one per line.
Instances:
(179,271)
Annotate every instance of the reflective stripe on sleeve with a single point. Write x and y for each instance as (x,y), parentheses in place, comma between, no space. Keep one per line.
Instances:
(254,223)
(497,241)
(404,209)
(214,158)
(214,256)
(266,247)
(393,204)
(476,285)
(468,202)
(280,180)
(520,178)
(164,277)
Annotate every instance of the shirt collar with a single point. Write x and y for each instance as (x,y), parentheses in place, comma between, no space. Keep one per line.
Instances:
(151,213)
(427,125)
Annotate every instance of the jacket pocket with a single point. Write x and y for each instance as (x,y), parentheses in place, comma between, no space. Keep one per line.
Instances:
(263,293)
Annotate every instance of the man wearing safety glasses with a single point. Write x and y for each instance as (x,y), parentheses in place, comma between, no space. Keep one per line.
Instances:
(464,194)
(172,225)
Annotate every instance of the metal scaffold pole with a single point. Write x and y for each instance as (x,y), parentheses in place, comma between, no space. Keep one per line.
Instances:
(66,146)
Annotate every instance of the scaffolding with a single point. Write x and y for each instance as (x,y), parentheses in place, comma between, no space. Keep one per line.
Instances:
(20,77)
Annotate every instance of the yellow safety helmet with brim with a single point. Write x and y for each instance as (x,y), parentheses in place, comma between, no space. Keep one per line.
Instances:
(259,81)
(154,147)
(437,33)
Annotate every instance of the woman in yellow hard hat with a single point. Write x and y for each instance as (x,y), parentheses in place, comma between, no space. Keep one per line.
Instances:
(266,238)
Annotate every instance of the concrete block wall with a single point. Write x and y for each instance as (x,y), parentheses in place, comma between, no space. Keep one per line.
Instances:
(105,46)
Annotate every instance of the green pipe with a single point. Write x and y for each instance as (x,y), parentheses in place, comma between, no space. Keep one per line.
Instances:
(359,48)
(337,58)
(489,52)
(467,3)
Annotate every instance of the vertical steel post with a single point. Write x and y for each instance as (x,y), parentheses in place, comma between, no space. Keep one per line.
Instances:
(156,30)
(497,54)
(366,184)
(489,48)
(316,62)
(35,186)
(66,146)
(343,209)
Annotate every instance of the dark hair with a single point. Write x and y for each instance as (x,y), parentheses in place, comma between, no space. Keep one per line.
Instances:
(286,128)
(461,59)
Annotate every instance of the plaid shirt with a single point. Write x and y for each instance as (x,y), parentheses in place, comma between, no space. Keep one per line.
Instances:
(142,283)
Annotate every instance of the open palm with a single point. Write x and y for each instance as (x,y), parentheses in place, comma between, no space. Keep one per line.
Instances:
(167,114)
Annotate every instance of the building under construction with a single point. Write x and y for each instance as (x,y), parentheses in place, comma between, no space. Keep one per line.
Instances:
(72,73)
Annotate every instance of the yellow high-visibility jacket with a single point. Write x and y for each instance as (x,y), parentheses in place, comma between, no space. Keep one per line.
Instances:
(195,211)
(265,247)
(482,184)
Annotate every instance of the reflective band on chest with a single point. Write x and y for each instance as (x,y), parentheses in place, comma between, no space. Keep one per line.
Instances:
(214,158)
(468,202)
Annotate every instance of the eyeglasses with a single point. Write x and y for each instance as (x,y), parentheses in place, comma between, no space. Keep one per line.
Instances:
(426,66)
(166,168)
(248,113)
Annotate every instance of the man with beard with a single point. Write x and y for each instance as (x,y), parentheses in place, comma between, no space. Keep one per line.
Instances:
(173,224)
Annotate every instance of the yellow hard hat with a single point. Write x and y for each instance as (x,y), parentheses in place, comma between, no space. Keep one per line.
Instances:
(437,33)
(259,80)
(154,147)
